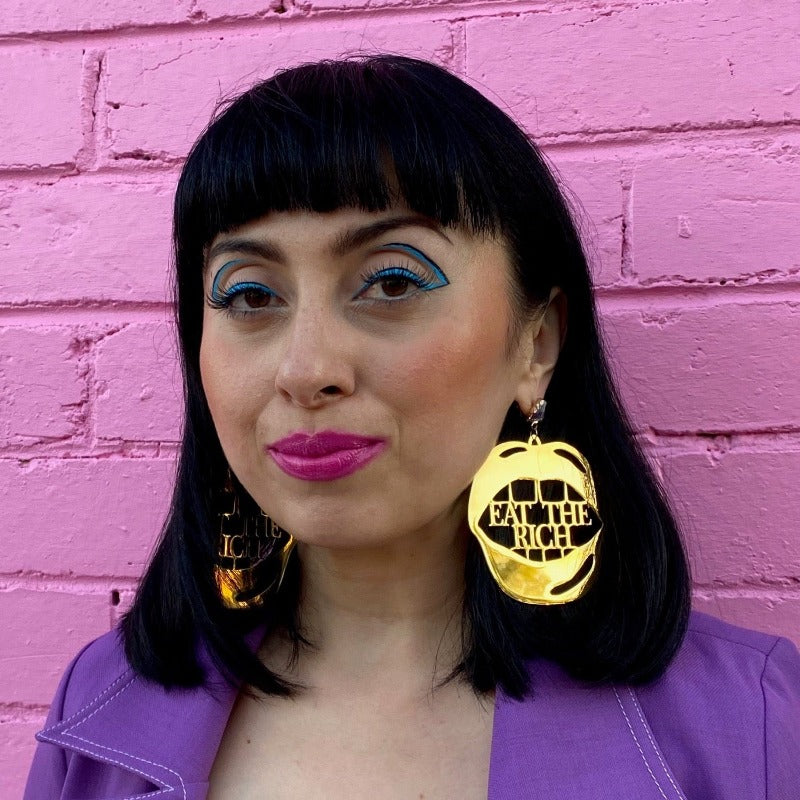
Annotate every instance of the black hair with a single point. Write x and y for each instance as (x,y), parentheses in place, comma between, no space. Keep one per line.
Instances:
(364,132)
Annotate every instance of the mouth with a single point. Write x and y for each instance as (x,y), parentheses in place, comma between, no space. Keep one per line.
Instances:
(326,455)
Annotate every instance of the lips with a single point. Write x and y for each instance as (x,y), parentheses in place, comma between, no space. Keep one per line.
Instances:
(326,455)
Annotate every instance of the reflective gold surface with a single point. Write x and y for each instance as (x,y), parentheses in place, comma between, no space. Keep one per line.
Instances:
(251,559)
(533,508)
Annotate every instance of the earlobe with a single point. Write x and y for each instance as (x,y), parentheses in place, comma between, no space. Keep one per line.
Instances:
(545,335)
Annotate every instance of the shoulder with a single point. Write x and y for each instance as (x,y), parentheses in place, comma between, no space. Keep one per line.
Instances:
(94,673)
(723,639)
(718,660)
(727,710)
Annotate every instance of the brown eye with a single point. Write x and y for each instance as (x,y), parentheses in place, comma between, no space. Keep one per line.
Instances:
(254,298)
(394,287)
(392,283)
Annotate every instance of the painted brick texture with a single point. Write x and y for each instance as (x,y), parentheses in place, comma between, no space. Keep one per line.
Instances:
(74,240)
(674,126)
(40,106)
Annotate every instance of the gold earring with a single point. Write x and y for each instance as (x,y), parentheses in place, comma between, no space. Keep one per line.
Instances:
(252,554)
(533,508)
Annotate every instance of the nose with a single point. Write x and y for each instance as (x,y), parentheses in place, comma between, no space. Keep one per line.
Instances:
(315,367)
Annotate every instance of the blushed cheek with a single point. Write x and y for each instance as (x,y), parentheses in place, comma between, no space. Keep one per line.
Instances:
(462,377)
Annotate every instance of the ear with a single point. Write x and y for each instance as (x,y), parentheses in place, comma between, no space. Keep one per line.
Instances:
(540,345)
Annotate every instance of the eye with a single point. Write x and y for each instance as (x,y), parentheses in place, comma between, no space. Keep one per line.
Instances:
(395,282)
(392,282)
(245,297)
(395,285)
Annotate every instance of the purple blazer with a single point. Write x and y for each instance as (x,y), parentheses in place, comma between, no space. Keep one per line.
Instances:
(723,723)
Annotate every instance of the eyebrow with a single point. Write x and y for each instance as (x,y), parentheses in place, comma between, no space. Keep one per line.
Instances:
(345,242)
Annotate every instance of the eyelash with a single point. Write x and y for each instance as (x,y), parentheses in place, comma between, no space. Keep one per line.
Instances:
(399,271)
(223,300)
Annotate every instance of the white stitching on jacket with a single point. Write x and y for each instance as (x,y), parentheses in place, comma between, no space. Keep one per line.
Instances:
(138,758)
(55,741)
(638,745)
(100,707)
(652,742)
(66,732)
(90,703)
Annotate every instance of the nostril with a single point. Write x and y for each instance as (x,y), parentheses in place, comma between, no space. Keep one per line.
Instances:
(331,390)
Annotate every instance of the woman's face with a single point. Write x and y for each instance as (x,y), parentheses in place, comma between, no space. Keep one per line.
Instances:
(358,368)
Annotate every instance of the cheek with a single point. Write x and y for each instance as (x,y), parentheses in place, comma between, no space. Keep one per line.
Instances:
(462,379)
(226,372)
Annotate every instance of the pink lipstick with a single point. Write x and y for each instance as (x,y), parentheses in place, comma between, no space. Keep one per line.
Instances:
(326,455)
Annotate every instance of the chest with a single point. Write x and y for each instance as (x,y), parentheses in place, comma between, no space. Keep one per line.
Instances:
(354,747)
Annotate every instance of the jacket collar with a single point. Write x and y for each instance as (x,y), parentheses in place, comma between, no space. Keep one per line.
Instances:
(566,739)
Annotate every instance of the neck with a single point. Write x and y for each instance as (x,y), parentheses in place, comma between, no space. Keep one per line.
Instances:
(383,615)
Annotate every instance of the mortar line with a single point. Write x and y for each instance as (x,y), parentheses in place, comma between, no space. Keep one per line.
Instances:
(626,224)
(749,591)
(691,296)
(12,711)
(66,584)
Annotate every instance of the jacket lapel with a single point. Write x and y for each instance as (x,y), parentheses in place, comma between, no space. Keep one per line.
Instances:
(166,737)
(575,742)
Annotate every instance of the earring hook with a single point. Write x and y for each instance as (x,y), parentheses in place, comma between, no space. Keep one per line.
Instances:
(534,418)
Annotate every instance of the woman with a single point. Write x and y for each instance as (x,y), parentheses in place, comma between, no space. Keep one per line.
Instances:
(377,281)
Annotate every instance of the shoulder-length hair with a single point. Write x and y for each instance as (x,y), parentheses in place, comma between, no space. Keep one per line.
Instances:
(358,132)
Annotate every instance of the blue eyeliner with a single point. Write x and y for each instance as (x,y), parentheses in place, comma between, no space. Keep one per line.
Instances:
(223,298)
(441,278)
(221,273)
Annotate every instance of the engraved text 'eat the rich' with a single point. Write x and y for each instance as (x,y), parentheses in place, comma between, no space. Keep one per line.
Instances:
(538,523)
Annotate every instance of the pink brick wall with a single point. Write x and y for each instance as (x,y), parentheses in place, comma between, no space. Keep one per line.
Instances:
(676,124)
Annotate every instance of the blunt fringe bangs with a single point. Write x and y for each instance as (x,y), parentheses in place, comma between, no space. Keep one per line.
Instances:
(370,132)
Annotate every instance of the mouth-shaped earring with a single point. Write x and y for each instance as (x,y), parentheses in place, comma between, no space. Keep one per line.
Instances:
(252,554)
(533,508)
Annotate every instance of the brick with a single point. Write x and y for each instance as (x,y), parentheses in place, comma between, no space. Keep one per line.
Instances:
(739,510)
(42,631)
(21,16)
(776,615)
(16,754)
(140,385)
(41,388)
(721,368)
(716,216)
(593,185)
(642,66)
(84,516)
(40,107)
(166,92)
(76,240)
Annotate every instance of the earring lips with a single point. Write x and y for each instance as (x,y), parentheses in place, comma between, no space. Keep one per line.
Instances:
(540,541)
